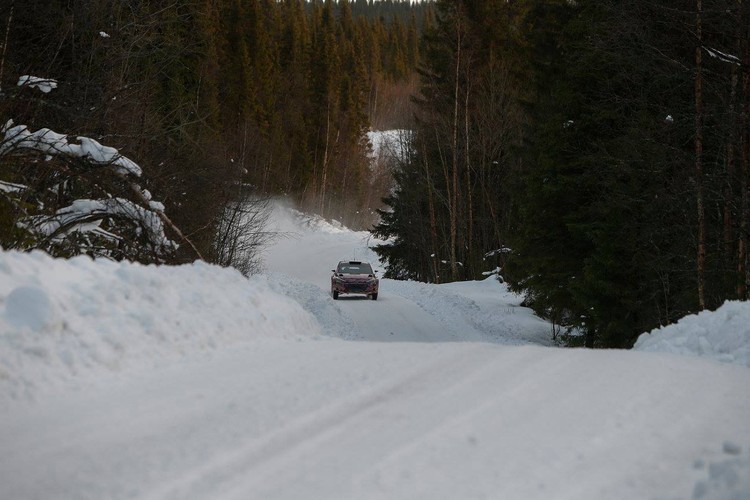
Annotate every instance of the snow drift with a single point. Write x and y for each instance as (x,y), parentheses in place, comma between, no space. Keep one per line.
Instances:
(61,319)
(722,335)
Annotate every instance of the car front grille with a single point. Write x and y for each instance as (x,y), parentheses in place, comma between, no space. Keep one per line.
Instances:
(357,286)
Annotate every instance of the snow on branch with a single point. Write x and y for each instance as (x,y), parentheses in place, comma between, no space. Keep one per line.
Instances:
(114,218)
(46,85)
(86,215)
(498,251)
(723,57)
(12,187)
(48,141)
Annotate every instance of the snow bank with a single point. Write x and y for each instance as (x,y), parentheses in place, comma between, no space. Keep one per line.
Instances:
(723,335)
(316,302)
(64,319)
(486,306)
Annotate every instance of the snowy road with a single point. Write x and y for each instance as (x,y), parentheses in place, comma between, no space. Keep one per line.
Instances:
(404,409)
(404,311)
(310,257)
(333,419)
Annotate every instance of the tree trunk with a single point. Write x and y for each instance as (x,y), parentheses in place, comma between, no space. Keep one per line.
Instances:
(454,195)
(433,224)
(701,257)
(5,44)
(325,160)
(469,197)
(743,272)
(731,173)
(742,265)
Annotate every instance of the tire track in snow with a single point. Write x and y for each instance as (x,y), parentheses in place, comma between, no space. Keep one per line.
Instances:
(254,463)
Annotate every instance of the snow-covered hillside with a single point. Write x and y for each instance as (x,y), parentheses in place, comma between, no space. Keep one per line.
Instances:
(128,381)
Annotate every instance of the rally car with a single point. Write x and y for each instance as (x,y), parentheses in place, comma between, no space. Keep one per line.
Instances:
(353,276)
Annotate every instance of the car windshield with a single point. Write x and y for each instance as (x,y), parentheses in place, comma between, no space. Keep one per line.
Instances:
(358,268)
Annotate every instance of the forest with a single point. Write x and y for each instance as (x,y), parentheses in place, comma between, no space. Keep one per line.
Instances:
(596,152)
(218,101)
(593,153)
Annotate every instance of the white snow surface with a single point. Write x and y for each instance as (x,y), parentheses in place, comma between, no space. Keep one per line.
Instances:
(120,380)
